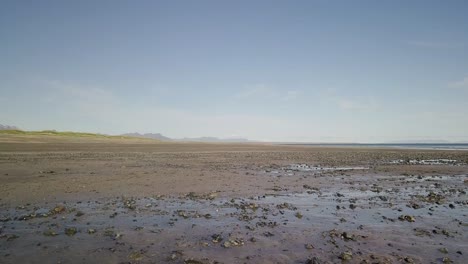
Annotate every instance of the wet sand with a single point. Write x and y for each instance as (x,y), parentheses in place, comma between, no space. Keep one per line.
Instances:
(114,202)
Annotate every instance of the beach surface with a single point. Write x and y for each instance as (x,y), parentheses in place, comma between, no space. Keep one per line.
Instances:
(138,201)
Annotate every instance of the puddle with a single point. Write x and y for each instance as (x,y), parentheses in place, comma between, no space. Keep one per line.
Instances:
(427,162)
(305,167)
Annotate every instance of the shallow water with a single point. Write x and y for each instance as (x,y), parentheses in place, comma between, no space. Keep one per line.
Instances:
(276,227)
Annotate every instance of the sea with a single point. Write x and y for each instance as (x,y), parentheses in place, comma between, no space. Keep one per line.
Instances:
(434,146)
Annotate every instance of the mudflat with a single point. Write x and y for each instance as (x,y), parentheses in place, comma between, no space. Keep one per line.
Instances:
(123,201)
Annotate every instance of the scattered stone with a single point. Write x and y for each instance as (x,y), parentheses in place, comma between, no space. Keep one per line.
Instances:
(129,203)
(434,198)
(227,244)
(313,260)
(414,205)
(175,255)
(12,237)
(195,196)
(345,256)
(109,233)
(236,242)
(278,189)
(114,214)
(383,198)
(193,261)
(49,232)
(58,209)
(79,213)
(216,238)
(408,218)
(70,231)
(286,206)
(422,232)
(443,250)
(135,256)
(208,216)
(447,260)
(348,237)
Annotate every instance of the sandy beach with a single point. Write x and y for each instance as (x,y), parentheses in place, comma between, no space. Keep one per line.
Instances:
(137,202)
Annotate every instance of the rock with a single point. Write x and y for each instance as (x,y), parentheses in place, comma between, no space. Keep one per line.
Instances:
(79,213)
(193,261)
(208,216)
(129,203)
(58,209)
(309,246)
(434,198)
(12,237)
(346,256)
(49,232)
(383,198)
(109,233)
(70,231)
(227,244)
(135,256)
(175,255)
(236,242)
(408,218)
(443,250)
(114,214)
(347,236)
(313,260)
(216,238)
(286,206)
(447,260)
(298,215)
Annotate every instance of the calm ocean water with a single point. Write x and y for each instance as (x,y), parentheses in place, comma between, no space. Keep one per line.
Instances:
(446,146)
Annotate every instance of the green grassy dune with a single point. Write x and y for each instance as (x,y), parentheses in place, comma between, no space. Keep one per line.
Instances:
(64,134)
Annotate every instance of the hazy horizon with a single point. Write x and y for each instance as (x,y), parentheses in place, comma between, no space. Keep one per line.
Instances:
(303,71)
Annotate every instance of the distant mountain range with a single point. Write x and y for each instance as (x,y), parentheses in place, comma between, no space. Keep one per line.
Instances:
(6,127)
(158,136)
(214,139)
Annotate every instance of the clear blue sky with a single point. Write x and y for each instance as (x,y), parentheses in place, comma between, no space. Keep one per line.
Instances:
(361,71)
